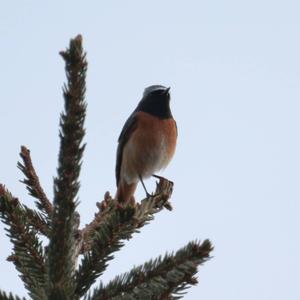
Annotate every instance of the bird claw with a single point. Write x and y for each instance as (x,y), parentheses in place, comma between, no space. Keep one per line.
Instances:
(160,185)
(163,179)
(152,195)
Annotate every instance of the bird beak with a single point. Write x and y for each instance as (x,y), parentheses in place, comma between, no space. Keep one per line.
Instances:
(167,90)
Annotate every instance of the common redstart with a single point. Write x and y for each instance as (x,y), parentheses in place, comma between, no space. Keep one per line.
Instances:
(147,142)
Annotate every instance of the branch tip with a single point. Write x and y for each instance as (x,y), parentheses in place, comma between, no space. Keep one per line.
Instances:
(32,183)
(2,189)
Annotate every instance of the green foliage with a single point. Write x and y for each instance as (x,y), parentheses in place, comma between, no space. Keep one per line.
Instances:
(4,296)
(50,271)
(66,184)
(28,254)
(34,188)
(115,225)
(162,278)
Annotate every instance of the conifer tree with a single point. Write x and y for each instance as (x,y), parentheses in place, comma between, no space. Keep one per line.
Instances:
(54,271)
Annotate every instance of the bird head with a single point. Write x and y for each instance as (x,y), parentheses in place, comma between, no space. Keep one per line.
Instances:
(156,101)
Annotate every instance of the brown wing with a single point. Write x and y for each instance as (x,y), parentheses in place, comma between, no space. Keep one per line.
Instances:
(129,126)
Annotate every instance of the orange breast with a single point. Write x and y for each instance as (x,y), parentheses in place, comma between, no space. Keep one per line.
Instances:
(150,148)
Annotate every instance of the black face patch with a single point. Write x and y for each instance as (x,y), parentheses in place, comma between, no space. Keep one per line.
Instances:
(156,103)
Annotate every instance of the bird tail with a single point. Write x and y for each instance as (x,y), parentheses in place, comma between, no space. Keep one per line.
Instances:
(125,192)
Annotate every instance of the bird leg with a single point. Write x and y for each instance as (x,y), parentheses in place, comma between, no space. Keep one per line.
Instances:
(147,194)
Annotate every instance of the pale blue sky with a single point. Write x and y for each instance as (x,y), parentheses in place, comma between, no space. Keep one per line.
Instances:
(234,72)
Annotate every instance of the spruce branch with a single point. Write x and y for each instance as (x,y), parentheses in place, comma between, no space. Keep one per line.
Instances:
(37,221)
(10,296)
(33,185)
(147,207)
(111,227)
(28,254)
(89,231)
(162,278)
(62,245)
(107,240)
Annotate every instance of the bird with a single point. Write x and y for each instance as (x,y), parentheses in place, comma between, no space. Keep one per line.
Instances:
(146,143)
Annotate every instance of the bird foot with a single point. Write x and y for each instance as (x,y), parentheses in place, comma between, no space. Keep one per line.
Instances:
(163,179)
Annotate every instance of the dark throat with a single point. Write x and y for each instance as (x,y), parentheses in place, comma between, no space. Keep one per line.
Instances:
(160,109)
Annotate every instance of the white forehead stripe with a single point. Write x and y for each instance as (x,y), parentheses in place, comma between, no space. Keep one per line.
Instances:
(153,88)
